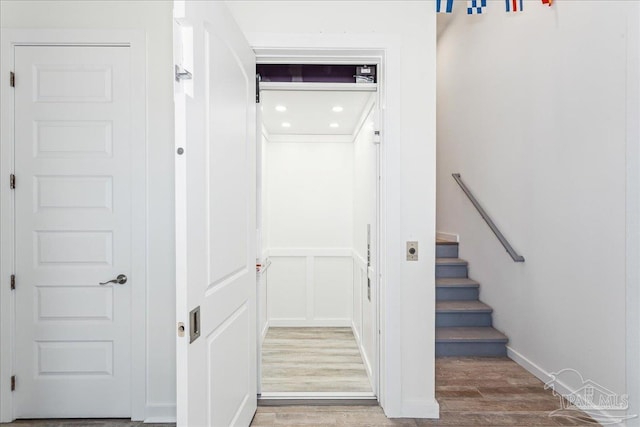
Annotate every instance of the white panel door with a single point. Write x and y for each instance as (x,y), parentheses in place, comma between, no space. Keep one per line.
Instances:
(73,231)
(215,220)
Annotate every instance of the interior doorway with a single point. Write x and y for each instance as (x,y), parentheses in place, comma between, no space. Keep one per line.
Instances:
(318,173)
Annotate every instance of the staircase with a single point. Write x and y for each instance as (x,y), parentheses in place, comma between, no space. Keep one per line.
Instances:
(463,323)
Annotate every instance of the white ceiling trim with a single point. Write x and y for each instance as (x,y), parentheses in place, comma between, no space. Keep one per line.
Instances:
(310,138)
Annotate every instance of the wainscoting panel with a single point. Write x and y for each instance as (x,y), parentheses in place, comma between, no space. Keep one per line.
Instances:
(310,287)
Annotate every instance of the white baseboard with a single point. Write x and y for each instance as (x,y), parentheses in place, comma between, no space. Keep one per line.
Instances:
(447,237)
(420,409)
(160,413)
(355,332)
(363,355)
(264,331)
(559,387)
(534,369)
(313,323)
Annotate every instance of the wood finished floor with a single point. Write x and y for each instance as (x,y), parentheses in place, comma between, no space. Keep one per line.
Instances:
(471,391)
(312,360)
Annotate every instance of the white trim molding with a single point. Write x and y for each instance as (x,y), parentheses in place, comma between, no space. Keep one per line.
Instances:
(309,323)
(282,138)
(160,413)
(413,408)
(363,354)
(136,41)
(310,252)
(310,318)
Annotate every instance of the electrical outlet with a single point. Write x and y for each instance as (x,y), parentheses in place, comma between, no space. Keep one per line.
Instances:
(412,251)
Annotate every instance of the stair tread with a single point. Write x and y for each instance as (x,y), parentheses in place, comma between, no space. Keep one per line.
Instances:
(444,282)
(451,261)
(445,242)
(462,306)
(470,334)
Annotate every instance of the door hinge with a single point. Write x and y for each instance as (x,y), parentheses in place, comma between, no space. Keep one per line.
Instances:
(12,79)
(182,74)
(258,78)
(13,383)
(13,282)
(12,181)
(376,137)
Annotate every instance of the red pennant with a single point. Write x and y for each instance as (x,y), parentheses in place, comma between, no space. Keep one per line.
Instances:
(547,2)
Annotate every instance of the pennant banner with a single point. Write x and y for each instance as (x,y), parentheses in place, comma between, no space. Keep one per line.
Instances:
(476,6)
(446,6)
(547,2)
(516,5)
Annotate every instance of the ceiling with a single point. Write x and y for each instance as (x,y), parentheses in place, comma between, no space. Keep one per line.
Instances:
(311,112)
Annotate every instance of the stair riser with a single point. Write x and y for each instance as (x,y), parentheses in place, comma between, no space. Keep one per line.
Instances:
(471,349)
(446,251)
(443,271)
(463,319)
(457,294)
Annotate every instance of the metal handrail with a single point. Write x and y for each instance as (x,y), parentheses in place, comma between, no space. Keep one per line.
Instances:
(514,255)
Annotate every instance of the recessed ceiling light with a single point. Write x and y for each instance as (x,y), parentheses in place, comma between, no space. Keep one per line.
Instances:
(334,125)
(337,109)
(286,124)
(281,108)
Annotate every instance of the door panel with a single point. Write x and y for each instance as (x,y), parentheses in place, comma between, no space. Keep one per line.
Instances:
(215,218)
(73,230)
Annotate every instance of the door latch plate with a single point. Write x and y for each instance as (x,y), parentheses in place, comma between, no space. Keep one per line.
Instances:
(194,324)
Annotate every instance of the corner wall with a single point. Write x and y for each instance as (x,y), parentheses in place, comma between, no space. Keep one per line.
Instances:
(155,18)
(532,113)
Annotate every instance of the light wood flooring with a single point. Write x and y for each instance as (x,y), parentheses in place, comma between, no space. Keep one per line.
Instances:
(312,360)
(471,391)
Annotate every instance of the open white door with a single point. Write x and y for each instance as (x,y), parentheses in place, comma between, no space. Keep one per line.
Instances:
(215,218)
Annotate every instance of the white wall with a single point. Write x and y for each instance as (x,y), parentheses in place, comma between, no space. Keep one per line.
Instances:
(406,31)
(155,18)
(365,173)
(532,113)
(309,211)
(633,218)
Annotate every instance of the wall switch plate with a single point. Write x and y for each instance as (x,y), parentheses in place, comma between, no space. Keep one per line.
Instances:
(412,251)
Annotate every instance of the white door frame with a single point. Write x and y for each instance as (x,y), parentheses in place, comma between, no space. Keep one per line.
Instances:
(372,59)
(385,50)
(136,41)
